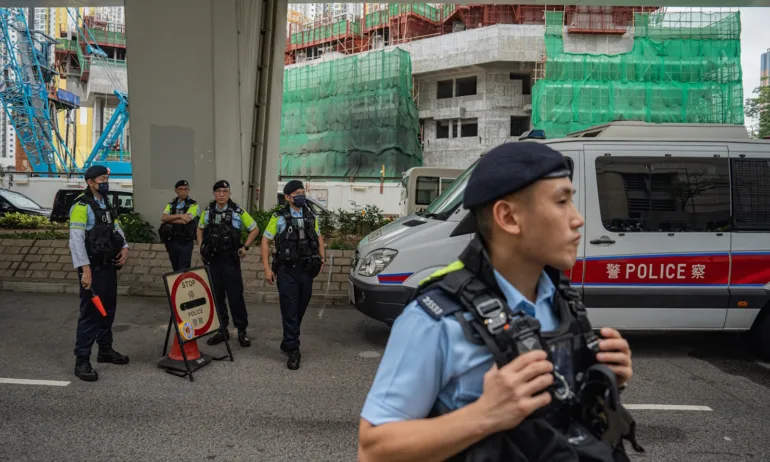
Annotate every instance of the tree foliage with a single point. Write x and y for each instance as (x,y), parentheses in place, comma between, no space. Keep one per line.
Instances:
(758,108)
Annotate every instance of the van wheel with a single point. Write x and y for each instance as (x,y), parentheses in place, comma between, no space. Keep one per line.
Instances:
(759,335)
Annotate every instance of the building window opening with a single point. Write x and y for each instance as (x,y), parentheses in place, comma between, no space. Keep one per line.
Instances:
(466,86)
(519,125)
(469,128)
(442,129)
(526,82)
(444,89)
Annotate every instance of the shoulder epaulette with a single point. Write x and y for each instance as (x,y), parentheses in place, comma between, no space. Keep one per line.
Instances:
(437,303)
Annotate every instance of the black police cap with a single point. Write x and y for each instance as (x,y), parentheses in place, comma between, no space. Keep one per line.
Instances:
(512,167)
(95,171)
(221,184)
(292,186)
(181,183)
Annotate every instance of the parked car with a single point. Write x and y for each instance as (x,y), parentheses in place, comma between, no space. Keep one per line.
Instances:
(12,201)
(64,198)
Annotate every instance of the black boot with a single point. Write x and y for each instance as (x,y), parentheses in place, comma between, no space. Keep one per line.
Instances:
(84,371)
(218,338)
(293,362)
(108,355)
(243,339)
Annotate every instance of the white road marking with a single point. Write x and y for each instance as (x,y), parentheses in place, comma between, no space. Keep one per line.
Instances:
(666,407)
(369,354)
(727,438)
(50,383)
(765,365)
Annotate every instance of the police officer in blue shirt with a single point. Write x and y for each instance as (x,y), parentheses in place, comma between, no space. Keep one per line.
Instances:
(98,247)
(219,237)
(465,371)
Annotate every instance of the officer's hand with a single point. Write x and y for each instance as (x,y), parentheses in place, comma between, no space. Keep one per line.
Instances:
(242,252)
(121,260)
(513,392)
(617,356)
(269,276)
(85,279)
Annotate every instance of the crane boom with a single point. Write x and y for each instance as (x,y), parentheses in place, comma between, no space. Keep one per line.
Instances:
(24,93)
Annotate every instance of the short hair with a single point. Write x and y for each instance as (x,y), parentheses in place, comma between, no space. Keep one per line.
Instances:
(483,214)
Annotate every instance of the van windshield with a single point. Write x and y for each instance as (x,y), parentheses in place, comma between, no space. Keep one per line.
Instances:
(451,197)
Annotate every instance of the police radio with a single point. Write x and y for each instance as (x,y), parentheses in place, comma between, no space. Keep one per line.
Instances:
(522,334)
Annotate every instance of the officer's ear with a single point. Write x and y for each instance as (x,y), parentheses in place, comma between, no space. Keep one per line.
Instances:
(509,212)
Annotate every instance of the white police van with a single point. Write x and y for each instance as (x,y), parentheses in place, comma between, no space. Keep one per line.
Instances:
(677,232)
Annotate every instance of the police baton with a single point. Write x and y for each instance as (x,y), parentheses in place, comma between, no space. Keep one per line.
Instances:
(97,302)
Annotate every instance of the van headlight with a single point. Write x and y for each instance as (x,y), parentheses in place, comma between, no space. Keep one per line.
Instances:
(376,261)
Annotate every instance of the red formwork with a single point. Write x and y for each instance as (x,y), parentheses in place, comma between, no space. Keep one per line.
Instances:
(612,20)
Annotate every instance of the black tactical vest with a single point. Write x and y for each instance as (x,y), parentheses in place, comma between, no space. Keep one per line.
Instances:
(298,242)
(220,236)
(103,243)
(572,427)
(177,231)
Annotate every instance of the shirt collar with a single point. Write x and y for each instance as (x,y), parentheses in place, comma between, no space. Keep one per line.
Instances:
(218,209)
(516,301)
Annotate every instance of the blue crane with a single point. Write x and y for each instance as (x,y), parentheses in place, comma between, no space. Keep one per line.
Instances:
(24,93)
(112,136)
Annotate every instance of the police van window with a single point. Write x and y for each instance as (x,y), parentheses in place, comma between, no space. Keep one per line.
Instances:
(751,194)
(427,190)
(450,198)
(663,194)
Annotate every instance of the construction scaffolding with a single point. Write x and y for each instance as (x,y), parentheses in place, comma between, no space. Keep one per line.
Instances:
(350,117)
(684,67)
(392,24)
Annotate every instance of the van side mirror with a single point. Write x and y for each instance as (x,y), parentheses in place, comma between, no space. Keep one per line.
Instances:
(466,226)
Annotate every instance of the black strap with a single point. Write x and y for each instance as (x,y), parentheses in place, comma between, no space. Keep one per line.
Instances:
(572,297)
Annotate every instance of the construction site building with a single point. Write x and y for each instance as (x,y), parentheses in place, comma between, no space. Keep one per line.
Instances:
(484,74)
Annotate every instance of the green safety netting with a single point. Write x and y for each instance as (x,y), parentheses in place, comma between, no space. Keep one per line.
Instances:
(326,31)
(349,116)
(683,68)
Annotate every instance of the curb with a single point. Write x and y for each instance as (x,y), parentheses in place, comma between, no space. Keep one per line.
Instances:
(333,298)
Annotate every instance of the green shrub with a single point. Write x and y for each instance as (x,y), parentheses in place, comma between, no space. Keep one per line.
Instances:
(136,229)
(18,220)
(43,235)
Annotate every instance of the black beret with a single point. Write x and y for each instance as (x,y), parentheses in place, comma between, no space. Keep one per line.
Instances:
(96,171)
(292,186)
(181,183)
(512,167)
(221,184)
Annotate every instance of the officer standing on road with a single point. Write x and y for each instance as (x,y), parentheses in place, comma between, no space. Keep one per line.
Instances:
(298,258)
(465,372)
(178,230)
(98,248)
(219,237)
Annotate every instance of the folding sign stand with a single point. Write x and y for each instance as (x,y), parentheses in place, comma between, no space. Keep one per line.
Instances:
(194,309)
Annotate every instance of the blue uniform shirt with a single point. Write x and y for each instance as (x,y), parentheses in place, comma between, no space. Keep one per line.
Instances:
(427,359)
(240,221)
(277,225)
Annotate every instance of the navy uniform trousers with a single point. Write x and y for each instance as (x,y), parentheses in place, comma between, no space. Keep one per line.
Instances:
(92,326)
(228,283)
(295,287)
(180,254)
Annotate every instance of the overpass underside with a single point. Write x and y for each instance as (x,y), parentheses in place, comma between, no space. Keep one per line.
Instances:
(201,77)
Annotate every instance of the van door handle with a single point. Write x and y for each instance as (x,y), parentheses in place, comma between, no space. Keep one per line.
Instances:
(602,240)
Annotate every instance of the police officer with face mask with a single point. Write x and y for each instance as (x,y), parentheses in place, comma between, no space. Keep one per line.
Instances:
(178,228)
(299,257)
(219,236)
(98,247)
(495,359)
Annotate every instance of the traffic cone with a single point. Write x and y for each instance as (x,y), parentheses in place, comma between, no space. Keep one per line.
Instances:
(190,349)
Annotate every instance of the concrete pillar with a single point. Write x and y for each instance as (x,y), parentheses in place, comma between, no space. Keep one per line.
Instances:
(191,92)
